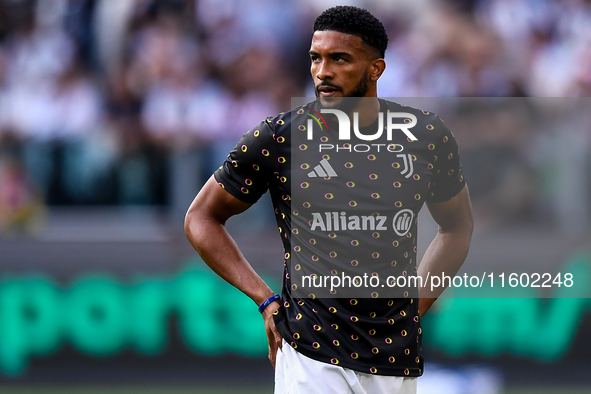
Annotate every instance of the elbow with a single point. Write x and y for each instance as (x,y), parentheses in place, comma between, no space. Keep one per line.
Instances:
(469,226)
(198,224)
(465,232)
(465,228)
(469,222)
(190,222)
(464,223)
(188,225)
(460,229)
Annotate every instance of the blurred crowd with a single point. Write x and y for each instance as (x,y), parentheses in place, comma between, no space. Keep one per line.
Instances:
(127,102)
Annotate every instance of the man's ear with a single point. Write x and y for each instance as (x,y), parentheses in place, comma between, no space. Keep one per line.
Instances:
(377,69)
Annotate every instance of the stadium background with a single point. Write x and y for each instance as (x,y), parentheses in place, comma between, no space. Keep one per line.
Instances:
(114,112)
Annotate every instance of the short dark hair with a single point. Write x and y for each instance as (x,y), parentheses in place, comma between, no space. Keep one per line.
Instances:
(357,21)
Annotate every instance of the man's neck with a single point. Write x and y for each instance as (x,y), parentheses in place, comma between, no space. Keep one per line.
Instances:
(368,109)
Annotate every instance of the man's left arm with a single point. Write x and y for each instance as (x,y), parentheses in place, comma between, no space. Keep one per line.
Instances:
(449,248)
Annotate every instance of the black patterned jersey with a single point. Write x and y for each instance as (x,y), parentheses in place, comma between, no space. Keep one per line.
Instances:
(350,211)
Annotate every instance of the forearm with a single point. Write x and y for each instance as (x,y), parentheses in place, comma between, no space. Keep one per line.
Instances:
(219,251)
(445,254)
(204,227)
(449,248)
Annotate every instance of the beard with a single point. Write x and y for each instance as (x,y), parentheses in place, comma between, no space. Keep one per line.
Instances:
(349,100)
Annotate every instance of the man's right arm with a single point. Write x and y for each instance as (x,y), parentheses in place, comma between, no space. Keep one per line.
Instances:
(205,229)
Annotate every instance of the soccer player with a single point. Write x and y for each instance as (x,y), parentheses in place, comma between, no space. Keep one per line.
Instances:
(359,216)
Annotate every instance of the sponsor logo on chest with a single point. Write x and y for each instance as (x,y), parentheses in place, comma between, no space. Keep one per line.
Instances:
(340,221)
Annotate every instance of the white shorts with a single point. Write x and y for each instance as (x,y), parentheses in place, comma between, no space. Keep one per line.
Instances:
(298,374)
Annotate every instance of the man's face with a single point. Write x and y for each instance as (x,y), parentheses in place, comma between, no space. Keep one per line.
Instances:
(340,67)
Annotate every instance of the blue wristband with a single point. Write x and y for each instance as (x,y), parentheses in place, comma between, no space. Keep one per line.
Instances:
(269,300)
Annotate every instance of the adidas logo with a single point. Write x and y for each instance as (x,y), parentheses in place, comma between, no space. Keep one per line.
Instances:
(322,170)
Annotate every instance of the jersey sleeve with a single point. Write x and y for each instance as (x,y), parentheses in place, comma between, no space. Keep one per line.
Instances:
(447,180)
(251,166)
